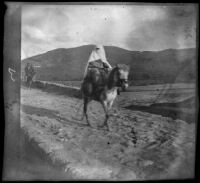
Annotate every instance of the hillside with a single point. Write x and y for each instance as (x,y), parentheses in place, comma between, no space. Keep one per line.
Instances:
(169,65)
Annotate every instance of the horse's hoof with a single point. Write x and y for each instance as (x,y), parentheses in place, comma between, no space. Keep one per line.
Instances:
(88,125)
(101,126)
(81,119)
(106,128)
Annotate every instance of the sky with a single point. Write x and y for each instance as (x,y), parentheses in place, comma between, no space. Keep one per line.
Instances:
(132,27)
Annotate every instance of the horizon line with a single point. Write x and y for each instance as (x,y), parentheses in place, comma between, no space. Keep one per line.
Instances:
(113,46)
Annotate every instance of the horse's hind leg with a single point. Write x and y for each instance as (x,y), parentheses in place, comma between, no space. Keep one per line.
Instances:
(29,85)
(85,110)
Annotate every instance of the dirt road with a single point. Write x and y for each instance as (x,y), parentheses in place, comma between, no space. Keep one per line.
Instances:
(139,146)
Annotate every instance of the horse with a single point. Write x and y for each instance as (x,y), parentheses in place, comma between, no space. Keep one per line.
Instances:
(29,79)
(103,87)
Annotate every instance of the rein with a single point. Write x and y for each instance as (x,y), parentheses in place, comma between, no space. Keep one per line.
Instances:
(111,80)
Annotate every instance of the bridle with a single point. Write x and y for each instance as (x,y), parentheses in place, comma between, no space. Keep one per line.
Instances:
(123,81)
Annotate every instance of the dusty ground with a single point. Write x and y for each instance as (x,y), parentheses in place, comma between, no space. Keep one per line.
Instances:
(140,145)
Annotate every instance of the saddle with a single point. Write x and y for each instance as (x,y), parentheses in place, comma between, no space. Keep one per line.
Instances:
(97,77)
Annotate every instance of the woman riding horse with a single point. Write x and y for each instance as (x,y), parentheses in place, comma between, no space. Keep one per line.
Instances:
(102,85)
(97,60)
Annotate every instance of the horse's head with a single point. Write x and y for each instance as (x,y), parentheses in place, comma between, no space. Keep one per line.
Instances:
(122,76)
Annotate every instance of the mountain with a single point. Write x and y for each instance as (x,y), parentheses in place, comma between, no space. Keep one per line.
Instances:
(171,65)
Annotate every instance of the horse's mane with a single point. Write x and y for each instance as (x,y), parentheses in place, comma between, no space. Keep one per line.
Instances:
(111,76)
(123,67)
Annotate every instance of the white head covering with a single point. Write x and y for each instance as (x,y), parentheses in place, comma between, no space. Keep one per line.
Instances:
(97,53)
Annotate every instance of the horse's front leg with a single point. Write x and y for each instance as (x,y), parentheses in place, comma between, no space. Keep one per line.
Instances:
(28,84)
(105,107)
(109,108)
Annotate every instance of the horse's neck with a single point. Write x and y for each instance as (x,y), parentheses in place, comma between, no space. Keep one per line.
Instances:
(111,79)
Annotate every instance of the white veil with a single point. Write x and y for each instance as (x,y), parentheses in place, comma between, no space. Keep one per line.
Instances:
(97,53)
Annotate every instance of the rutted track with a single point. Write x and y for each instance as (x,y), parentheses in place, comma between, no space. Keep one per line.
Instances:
(140,145)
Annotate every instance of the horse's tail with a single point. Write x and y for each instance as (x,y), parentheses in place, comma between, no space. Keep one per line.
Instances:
(86,88)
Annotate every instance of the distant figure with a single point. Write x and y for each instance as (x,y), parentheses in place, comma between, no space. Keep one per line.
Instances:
(29,74)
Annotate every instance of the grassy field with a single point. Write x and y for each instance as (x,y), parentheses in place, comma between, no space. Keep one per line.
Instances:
(170,100)
(69,83)
(150,94)
(134,84)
